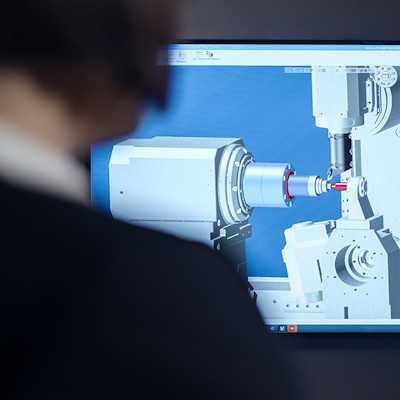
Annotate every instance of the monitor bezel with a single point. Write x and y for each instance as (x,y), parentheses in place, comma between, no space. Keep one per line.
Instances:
(294,42)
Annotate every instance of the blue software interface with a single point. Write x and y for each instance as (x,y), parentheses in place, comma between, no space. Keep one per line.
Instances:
(282,158)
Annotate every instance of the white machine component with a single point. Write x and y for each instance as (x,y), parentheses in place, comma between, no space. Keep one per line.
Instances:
(340,101)
(361,263)
(356,262)
(304,244)
(339,98)
(174,184)
(189,187)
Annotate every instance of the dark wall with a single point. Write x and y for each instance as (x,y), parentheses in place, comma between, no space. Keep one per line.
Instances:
(292,20)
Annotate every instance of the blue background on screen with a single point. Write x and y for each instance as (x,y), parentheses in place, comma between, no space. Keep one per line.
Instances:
(272,112)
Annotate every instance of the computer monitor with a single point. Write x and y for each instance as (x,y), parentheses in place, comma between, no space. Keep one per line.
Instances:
(283,158)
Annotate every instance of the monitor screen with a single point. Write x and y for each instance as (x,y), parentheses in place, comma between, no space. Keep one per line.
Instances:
(284,159)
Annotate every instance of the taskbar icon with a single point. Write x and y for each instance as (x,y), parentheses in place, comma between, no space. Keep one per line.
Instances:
(282,328)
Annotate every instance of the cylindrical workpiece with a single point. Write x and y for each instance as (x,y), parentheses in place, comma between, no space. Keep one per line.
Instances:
(298,185)
(265,185)
(306,185)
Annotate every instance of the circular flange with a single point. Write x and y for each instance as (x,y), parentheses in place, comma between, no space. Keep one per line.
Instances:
(386,76)
(230,183)
(355,265)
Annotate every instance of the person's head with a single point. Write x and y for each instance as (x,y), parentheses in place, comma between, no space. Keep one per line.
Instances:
(93,60)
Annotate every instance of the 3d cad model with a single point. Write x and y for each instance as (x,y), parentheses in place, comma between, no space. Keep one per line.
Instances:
(205,189)
(202,189)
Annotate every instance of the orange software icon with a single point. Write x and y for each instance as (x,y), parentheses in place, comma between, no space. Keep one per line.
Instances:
(292,328)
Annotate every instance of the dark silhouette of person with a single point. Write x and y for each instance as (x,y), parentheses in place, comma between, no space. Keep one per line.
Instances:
(93,308)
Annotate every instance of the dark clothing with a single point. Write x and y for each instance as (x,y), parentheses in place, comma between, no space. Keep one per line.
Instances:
(92,308)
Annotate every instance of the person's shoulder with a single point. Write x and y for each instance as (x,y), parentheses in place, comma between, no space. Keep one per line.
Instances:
(46,230)
(34,217)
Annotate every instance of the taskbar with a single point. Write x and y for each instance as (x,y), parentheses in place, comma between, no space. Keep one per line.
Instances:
(346,328)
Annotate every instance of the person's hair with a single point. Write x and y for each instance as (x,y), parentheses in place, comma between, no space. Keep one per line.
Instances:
(74,46)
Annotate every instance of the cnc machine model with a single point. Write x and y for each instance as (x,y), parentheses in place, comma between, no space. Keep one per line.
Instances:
(205,189)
